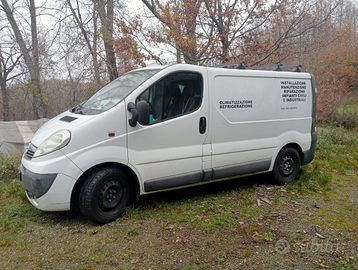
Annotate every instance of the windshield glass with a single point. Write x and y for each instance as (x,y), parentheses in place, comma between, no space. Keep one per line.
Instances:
(114,92)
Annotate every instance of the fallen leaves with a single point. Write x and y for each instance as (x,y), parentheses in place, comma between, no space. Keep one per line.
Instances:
(181,239)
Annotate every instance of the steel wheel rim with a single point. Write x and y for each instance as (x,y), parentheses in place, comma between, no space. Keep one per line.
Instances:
(110,195)
(287,166)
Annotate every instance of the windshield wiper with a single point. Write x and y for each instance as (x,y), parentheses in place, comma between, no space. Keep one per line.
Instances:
(77,109)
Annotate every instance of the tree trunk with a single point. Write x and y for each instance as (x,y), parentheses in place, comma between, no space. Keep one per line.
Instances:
(94,51)
(178,56)
(190,12)
(106,17)
(37,93)
(5,97)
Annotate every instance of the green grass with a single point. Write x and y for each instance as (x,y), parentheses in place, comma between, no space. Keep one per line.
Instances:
(132,231)
(336,153)
(214,220)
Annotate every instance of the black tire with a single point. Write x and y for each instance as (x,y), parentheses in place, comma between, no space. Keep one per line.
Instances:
(287,166)
(105,194)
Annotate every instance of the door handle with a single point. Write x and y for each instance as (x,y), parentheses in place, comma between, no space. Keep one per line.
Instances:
(202,125)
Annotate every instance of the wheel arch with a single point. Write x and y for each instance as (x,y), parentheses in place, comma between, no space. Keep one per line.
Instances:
(77,187)
(287,163)
(296,146)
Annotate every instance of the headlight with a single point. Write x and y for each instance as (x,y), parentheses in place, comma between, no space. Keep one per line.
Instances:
(56,141)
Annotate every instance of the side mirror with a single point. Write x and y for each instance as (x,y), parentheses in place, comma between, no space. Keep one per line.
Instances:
(143,113)
(140,113)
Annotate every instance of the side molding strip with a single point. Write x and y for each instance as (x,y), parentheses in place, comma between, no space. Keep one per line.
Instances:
(242,168)
(207,175)
(173,181)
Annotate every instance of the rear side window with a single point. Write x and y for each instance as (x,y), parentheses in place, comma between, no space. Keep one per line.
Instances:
(175,95)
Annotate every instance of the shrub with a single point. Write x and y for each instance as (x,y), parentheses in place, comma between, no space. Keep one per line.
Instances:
(336,136)
(345,118)
(342,115)
(9,165)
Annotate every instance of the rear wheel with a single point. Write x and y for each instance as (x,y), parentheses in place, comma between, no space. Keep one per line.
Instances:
(287,166)
(105,195)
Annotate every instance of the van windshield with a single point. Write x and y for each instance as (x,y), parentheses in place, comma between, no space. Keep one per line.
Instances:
(114,92)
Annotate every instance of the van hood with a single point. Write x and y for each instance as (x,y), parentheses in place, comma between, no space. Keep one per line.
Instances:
(66,120)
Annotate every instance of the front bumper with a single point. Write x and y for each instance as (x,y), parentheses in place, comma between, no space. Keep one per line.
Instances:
(49,181)
(36,184)
(47,192)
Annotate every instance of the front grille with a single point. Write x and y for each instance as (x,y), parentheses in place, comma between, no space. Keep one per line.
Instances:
(30,151)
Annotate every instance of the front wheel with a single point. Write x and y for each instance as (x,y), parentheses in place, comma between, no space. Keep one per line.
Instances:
(105,195)
(287,166)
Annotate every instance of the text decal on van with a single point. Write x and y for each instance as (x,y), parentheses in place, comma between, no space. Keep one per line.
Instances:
(235,104)
(293,91)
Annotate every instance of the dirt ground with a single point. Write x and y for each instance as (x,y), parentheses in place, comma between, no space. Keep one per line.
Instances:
(277,229)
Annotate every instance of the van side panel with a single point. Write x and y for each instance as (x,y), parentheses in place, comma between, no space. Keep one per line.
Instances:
(255,114)
(243,125)
(293,113)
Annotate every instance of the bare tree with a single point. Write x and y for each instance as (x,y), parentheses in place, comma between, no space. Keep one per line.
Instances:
(92,47)
(209,31)
(31,60)
(8,61)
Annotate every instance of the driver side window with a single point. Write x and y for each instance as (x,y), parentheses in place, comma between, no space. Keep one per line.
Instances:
(177,94)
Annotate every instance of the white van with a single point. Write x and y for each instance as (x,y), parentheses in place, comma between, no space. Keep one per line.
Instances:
(168,127)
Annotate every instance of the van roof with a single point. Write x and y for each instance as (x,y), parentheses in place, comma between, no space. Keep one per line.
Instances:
(238,65)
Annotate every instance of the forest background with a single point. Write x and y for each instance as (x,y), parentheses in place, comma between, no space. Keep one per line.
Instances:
(56,54)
